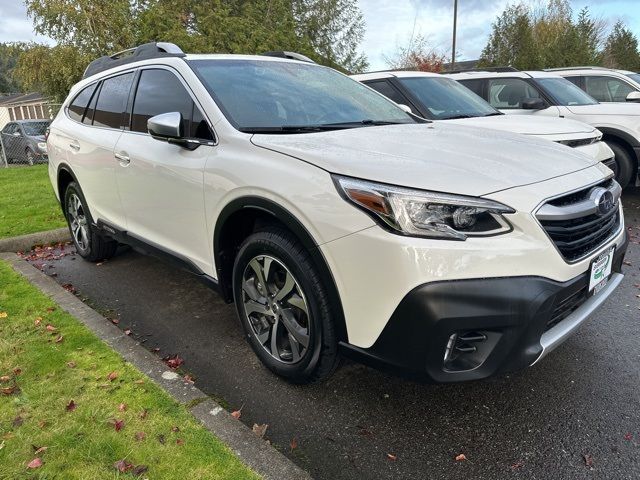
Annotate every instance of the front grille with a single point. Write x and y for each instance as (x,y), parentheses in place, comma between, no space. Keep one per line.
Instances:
(565,307)
(574,224)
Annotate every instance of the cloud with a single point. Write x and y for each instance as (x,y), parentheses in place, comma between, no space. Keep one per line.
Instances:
(16,26)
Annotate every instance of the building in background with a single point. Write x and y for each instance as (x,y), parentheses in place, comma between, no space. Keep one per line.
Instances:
(23,106)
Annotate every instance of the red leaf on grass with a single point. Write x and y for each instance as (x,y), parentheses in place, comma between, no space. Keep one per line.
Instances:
(37,321)
(71,406)
(112,376)
(123,466)
(35,463)
(175,429)
(17,371)
(51,328)
(179,442)
(122,407)
(118,425)
(140,436)
(173,362)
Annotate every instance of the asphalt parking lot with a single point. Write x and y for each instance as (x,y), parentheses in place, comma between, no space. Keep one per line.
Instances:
(576,415)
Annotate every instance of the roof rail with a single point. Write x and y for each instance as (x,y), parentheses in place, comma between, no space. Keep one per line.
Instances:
(575,68)
(485,69)
(141,52)
(289,55)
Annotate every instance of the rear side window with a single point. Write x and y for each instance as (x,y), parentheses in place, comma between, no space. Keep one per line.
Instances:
(160,91)
(474,85)
(112,101)
(79,104)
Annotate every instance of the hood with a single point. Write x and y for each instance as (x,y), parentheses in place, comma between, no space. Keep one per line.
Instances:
(628,108)
(529,125)
(432,156)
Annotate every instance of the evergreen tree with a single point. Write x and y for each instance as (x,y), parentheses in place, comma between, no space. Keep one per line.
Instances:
(621,49)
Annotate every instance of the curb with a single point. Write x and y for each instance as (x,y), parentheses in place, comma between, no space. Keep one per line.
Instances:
(258,455)
(26,242)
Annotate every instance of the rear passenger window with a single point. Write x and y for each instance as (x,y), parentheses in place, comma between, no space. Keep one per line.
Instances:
(112,101)
(79,104)
(160,91)
(510,92)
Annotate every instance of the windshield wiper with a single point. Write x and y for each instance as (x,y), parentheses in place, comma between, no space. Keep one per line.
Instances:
(321,127)
(462,115)
(492,114)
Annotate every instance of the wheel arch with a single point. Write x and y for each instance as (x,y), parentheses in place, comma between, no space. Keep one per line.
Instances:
(628,141)
(243,216)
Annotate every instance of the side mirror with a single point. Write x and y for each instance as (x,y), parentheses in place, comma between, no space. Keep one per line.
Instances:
(533,104)
(406,108)
(166,126)
(633,97)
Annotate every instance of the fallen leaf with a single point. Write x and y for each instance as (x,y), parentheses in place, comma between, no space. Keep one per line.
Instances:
(123,466)
(392,457)
(139,382)
(71,364)
(59,339)
(461,457)
(69,288)
(189,379)
(17,371)
(18,421)
(139,470)
(588,460)
(112,376)
(144,414)
(236,414)
(5,378)
(127,331)
(140,436)
(51,328)
(51,309)
(173,362)
(37,450)
(71,406)
(628,436)
(179,442)
(175,429)
(115,321)
(118,425)
(35,463)
(37,321)
(42,423)
(161,439)
(3,315)
(10,390)
(122,407)
(293,444)
(260,430)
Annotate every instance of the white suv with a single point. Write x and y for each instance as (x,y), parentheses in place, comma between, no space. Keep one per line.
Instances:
(435,97)
(548,94)
(338,223)
(604,84)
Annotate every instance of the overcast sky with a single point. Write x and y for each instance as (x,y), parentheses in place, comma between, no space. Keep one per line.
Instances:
(391,22)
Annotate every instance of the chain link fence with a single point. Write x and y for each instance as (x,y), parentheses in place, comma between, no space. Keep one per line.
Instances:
(22,142)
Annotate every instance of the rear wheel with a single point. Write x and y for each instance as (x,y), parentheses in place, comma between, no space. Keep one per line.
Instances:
(284,308)
(89,243)
(31,157)
(625,168)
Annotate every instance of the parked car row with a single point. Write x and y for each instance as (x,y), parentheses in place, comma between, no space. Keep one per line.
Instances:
(23,141)
(339,223)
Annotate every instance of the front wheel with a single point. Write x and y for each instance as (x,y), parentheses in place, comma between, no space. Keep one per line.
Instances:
(625,170)
(284,308)
(88,242)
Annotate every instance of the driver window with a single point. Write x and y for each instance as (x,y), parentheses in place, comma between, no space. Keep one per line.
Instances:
(510,92)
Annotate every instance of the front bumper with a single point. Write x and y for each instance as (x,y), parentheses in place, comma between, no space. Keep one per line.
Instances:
(521,318)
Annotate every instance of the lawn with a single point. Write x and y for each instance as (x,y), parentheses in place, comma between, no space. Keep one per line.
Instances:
(71,408)
(27,201)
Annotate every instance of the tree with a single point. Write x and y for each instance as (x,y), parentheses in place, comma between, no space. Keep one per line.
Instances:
(9,53)
(621,49)
(417,55)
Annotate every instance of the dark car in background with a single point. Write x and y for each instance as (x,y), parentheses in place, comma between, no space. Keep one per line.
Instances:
(23,141)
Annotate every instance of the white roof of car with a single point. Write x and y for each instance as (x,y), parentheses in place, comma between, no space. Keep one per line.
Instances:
(516,74)
(582,70)
(393,73)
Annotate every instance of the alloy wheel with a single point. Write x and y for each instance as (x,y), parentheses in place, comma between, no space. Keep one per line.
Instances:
(78,222)
(276,309)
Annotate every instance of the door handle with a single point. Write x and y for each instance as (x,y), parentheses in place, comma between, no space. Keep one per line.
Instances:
(123,158)
(75,146)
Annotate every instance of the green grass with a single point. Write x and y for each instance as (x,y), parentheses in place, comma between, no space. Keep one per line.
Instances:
(27,202)
(83,443)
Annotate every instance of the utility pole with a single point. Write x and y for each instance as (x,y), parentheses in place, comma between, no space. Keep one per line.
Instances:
(455,22)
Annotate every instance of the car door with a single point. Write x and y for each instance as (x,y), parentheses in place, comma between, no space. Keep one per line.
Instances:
(161,184)
(91,148)
(508,94)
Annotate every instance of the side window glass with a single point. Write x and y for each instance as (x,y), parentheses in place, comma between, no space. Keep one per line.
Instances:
(575,81)
(9,129)
(619,89)
(88,114)
(510,92)
(199,126)
(112,101)
(474,85)
(79,104)
(597,87)
(388,90)
(159,91)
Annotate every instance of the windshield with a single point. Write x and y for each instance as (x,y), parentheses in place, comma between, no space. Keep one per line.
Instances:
(564,92)
(634,76)
(286,96)
(34,129)
(445,99)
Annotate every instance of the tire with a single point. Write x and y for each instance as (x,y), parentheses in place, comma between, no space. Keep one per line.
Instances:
(290,298)
(625,164)
(30,156)
(90,244)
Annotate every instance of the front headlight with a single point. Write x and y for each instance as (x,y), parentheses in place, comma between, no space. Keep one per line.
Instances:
(42,146)
(426,214)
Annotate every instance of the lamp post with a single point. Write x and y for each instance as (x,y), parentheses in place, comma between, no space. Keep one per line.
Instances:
(455,22)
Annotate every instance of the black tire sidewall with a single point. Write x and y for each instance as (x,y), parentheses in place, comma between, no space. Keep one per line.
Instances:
(275,244)
(624,163)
